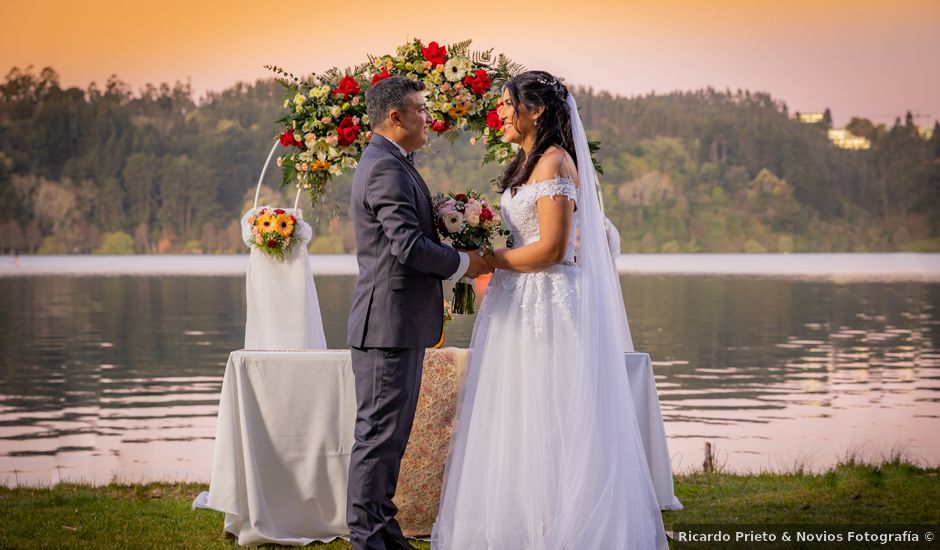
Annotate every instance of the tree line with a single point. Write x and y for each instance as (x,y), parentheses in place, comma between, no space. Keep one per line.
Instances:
(110,170)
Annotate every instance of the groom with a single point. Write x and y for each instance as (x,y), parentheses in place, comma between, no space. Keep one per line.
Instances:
(397,308)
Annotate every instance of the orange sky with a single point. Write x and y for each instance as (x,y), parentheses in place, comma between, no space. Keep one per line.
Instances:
(874,58)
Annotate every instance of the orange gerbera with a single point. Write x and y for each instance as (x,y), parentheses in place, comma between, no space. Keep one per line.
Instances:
(284,225)
(265,223)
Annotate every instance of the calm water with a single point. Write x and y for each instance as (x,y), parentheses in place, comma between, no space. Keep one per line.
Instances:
(120,376)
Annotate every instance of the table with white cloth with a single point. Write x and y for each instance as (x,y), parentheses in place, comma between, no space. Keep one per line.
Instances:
(285,432)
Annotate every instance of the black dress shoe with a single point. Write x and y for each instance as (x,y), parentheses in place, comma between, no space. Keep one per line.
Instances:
(399,544)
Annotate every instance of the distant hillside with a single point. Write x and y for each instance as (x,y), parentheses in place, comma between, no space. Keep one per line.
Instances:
(110,171)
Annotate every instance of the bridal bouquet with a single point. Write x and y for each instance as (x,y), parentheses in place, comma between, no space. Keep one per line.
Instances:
(273,232)
(469,222)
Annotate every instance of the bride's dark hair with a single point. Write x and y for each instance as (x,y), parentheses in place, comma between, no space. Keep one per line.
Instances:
(538,89)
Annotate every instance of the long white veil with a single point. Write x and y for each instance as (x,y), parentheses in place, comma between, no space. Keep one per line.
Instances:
(603,313)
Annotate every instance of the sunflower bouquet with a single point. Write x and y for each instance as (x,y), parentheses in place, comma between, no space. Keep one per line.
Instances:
(272,231)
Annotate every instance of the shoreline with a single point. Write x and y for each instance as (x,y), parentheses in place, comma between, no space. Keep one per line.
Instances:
(161,514)
(844,267)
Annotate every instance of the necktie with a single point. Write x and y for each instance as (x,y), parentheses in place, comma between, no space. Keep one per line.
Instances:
(410,157)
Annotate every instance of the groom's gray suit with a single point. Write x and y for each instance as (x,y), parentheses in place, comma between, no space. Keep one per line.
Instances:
(396,313)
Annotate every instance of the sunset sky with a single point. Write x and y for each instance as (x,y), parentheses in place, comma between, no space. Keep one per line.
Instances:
(870,58)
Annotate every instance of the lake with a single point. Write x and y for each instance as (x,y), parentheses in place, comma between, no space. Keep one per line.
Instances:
(111,367)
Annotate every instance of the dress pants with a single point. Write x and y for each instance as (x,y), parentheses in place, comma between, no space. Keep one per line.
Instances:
(387,385)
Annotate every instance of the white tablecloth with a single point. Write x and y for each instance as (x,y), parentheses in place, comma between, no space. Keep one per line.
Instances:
(285,431)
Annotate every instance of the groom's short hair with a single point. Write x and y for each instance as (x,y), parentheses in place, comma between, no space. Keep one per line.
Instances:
(386,95)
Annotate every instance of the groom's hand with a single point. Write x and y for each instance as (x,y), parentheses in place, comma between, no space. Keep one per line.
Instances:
(478,266)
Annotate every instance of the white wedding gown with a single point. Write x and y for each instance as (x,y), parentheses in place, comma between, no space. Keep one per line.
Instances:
(283,309)
(546,452)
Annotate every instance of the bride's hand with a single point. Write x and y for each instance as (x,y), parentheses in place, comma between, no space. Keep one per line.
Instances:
(493,258)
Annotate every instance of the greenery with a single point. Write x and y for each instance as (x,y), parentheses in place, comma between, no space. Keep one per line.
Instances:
(159,515)
(702,171)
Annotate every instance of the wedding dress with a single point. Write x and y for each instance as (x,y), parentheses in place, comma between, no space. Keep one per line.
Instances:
(546,452)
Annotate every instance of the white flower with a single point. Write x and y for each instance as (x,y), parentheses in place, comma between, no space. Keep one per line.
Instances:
(456,68)
(336,110)
(280,162)
(473,219)
(310,140)
(286,103)
(453,221)
(320,149)
(365,119)
(299,99)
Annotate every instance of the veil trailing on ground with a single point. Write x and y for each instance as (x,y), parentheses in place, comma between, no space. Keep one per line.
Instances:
(602,315)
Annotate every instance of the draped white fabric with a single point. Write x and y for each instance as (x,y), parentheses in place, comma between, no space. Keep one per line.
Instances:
(282,446)
(283,309)
(547,451)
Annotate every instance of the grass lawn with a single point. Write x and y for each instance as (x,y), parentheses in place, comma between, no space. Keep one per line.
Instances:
(158,515)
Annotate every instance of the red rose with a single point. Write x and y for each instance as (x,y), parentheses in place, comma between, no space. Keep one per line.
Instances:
(486,215)
(437,55)
(347,87)
(461,197)
(287,138)
(272,243)
(381,76)
(279,211)
(493,120)
(440,126)
(480,83)
(347,131)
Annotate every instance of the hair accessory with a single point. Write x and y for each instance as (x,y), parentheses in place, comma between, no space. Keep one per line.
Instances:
(549,82)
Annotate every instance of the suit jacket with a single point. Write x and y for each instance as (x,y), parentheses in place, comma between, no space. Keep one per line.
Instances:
(398,299)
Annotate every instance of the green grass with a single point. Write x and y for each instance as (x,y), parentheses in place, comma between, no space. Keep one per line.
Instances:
(158,515)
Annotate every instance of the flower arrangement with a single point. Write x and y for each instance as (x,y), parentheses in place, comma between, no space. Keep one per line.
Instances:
(326,123)
(469,222)
(273,231)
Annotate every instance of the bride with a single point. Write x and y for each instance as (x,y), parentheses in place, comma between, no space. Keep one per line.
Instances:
(546,451)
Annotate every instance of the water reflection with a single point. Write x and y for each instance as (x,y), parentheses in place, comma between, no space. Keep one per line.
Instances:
(120,376)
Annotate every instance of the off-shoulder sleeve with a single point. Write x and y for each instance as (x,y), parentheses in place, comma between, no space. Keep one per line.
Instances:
(555,187)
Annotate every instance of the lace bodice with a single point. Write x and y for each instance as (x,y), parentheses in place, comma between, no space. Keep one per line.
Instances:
(546,297)
(522,216)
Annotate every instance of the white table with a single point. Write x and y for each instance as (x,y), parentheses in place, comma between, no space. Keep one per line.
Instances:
(285,431)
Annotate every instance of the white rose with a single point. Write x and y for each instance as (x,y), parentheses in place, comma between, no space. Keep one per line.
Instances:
(453,221)
(473,219)
(310,140)
(336,110)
